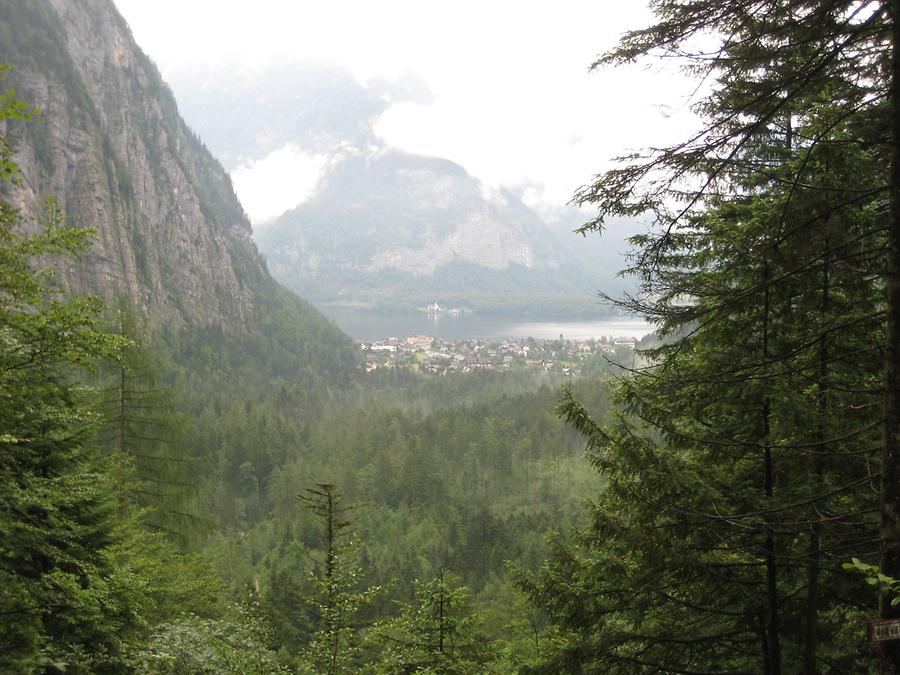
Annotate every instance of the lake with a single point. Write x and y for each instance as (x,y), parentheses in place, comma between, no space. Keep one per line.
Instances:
(372,325)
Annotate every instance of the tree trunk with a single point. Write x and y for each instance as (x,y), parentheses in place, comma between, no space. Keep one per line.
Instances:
(815,536)
(774,641)
(890,450)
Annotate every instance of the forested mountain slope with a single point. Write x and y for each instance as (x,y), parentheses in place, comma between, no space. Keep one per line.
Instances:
(113,150)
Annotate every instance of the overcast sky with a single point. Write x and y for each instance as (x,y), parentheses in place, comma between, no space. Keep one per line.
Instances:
(510,96)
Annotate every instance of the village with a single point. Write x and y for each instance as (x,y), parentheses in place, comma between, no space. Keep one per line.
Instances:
(434,355)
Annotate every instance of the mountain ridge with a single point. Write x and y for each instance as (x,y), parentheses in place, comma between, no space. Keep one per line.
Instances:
(413,213)
(396,230)
(112,149)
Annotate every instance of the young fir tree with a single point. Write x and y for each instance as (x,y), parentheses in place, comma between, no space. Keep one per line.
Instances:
(436,634)
(338,598)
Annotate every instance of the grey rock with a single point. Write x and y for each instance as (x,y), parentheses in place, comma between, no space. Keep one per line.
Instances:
(113,150)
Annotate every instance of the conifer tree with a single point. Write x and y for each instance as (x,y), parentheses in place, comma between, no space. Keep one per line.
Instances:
(338,597)
(142,431)
(741,471)
(436,634)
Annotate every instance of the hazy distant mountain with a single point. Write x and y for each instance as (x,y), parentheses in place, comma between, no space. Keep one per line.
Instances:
(383,227)
(415,214)
(399,229)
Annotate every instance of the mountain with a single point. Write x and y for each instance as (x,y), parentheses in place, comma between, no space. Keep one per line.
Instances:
(408,213)
(381,227)
(394,228)
(112,148)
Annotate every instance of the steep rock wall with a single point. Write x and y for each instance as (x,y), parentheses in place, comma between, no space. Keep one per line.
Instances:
(112,149)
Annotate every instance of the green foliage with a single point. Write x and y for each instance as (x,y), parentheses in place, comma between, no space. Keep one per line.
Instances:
(469,470)
(336,603)
(434,634)
(58,600)
(11,108)
(82,581)
(191,645)
(874,577)
(142,430)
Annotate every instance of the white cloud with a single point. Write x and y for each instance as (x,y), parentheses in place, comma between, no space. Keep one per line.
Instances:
(546,141)
(278,182)
(502,87)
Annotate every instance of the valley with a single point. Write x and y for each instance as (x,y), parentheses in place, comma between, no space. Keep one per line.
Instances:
(661,434)
(222,397)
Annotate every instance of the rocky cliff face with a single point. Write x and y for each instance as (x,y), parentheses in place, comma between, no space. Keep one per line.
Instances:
(112,149)
(392,210)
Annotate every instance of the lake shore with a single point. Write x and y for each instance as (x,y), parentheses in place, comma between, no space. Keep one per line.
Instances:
(377,325)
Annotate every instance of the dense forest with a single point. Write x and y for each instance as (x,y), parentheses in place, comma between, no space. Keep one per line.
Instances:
(181,497)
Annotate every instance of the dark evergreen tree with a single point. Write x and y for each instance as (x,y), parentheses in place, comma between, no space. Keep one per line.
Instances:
(741,471)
